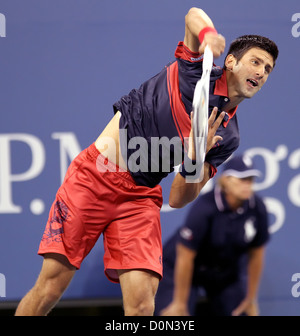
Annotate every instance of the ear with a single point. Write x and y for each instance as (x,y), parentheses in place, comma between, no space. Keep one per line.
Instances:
(230,61)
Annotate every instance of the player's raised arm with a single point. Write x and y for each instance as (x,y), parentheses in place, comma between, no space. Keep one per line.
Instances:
(200,31)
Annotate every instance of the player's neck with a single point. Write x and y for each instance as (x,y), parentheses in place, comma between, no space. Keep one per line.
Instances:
(234,97)
(234,100)
(231,105)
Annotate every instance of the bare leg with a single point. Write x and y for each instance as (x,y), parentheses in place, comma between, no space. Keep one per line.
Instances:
(138,288)
(55,276)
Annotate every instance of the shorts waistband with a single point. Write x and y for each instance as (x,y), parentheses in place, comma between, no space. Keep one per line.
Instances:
(92,152)
(103,164)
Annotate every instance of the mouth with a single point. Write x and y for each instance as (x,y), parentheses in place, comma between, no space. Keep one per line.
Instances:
(252,82)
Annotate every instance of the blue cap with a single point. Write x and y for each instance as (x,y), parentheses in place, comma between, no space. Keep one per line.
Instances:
(240,166)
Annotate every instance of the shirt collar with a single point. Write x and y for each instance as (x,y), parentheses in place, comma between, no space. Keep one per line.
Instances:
(222,205)
(221,89)
(221,86)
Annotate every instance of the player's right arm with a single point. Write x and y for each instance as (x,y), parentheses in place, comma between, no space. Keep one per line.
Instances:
(195,21)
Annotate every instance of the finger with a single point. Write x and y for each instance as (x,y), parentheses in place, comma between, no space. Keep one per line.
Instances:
(212,116)
(216,139)
(216,44)
(239,310)
(218,52)
(219,120)
(222,43)
(192,124)
(202,47)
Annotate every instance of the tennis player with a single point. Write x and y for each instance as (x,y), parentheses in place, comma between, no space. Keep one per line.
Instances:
(104,192)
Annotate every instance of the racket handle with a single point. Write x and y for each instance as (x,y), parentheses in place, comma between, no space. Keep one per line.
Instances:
(208,59)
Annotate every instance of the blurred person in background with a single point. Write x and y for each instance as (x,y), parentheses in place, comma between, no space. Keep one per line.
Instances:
(220,249)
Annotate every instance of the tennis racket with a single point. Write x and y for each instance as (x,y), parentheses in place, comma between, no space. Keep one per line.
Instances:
(200,109)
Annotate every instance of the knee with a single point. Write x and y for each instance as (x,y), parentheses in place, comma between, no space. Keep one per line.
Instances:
(138,289)
(139,307)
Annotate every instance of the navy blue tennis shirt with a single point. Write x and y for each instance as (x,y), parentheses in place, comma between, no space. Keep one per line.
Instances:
(161,108)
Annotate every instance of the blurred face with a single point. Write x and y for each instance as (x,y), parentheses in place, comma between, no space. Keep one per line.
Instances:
(250,73)
(238,189)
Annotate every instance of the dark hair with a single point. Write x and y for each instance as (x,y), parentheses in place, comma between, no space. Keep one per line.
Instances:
(242,44)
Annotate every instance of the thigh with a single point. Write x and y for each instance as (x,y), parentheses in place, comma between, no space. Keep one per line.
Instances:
(133,241)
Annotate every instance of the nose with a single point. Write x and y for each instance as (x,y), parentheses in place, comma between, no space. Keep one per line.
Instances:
(260,72)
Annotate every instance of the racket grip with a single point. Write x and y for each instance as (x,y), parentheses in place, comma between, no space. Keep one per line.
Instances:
(208,59)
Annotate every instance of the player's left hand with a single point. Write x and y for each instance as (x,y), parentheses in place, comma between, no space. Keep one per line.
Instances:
(212,139)
(213,125)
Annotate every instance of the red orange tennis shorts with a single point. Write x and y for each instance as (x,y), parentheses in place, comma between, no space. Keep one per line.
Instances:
(90,202)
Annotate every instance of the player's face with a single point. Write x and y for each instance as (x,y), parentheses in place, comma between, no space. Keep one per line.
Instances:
(240,189)
(251,72)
